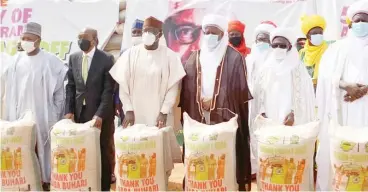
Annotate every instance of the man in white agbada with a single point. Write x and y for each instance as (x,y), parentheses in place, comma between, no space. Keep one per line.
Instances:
(283,90)
(35,81)
(343,86)
(260,51)
(5,62)
(148,76)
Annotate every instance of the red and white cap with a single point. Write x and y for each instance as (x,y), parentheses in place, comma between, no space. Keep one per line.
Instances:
(264,27)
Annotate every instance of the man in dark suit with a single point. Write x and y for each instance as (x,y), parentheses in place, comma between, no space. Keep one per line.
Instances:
(89,94)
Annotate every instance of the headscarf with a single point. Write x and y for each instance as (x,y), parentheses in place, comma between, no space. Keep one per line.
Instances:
(239,26)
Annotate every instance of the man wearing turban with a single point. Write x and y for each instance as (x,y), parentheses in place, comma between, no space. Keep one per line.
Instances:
(313,27)
(343,86)
(236,37)
(283,70)
(261,50)
(35,81)
(215,80)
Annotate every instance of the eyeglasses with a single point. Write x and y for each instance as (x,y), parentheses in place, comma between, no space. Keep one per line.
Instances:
(281,46)
(187,34)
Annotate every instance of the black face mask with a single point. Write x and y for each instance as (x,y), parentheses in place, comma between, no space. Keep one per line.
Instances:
(235,41)
(84,44)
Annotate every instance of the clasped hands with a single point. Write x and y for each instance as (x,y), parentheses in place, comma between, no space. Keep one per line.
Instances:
(355,92)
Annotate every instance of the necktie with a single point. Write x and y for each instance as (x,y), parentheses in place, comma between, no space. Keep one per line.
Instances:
(85,68)
(84,72)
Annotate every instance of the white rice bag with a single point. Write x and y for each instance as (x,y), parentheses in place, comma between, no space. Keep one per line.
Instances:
(349,158)
(210,159)
(75,157)
(285,155)
(139,158)
(20,170)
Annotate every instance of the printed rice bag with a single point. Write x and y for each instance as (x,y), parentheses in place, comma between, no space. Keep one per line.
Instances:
(210,163)
(349,158)
(20,170)
(139,159)
(285,155)
(75,157)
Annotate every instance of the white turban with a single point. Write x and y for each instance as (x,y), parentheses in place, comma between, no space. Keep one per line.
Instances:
(287,33)
(357,7)
(215,20)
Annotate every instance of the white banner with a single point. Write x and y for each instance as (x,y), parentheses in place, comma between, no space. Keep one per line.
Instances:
(61,22)
(183,18)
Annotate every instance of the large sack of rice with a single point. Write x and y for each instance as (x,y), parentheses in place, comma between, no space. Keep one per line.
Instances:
(285,155)
(20,170)
(349,158)
(76,157)
(139,157)
(210,155)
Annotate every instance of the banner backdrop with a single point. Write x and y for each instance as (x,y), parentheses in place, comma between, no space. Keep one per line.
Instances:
(61,22)
(183,18)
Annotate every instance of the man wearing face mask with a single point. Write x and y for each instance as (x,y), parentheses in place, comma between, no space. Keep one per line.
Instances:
(255,60)
(260,50)
(284,90)
(236,38)
(35,81)
(89,94)
(216,80)
(136,34)
(148,76)
(315,46)
(343,86)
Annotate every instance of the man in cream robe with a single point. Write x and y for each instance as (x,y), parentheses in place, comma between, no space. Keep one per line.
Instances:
(35,81)
(149,75)
(284,91)
(343,85)
(260,51)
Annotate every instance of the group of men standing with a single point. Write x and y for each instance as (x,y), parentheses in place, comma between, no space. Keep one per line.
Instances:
(222,78)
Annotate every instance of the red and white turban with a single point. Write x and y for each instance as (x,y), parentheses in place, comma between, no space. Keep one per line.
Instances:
(264,27)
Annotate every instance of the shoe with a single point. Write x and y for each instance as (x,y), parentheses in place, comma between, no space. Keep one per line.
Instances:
(46,186)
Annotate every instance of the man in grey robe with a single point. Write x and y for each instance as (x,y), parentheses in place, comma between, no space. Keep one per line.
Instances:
(35,82)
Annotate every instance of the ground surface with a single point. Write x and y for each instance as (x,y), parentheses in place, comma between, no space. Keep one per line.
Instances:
(176,179)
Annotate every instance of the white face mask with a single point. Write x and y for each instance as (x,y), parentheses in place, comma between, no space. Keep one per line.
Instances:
(211,40)
(28,46)
(148,38)
(317,39)
(279,53)
(136,40)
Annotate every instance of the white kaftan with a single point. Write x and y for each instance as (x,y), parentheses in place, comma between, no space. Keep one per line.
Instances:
(149,84)
(255,62)
(5,62)
(36,83)
(280,88)
(344,60)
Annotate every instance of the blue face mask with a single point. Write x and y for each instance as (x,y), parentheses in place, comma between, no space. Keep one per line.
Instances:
(211,40)
(317,39)
(360,29)
(262,46)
